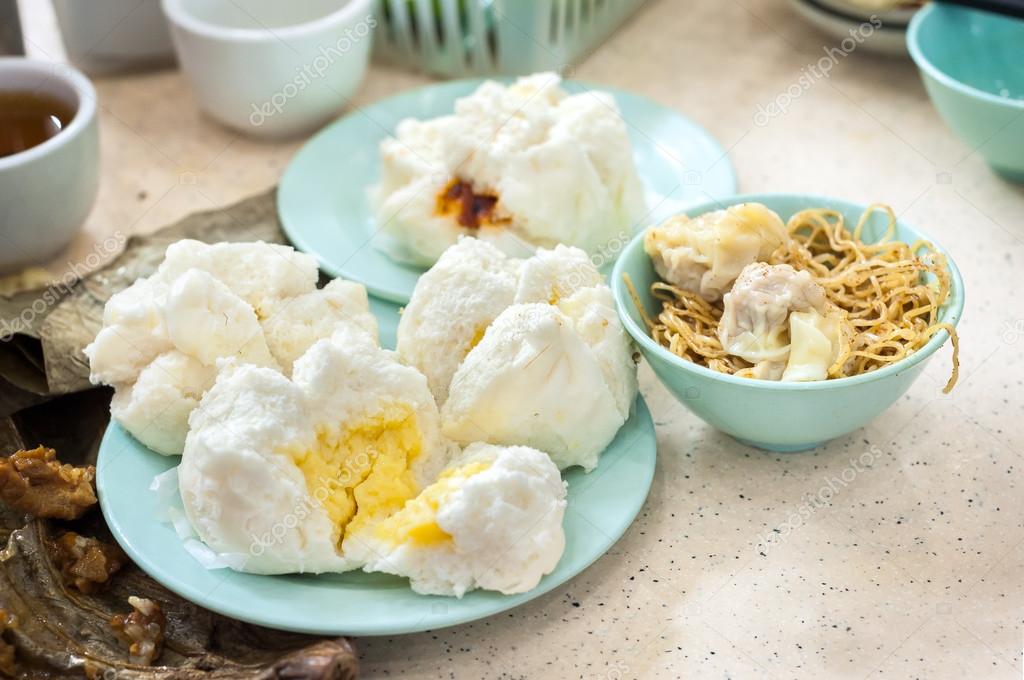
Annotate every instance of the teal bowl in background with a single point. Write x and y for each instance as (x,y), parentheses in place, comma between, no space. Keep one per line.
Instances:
(778,416)
(972,64)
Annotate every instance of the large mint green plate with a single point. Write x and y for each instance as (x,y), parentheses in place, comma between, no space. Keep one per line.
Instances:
(324,208)
(602,505)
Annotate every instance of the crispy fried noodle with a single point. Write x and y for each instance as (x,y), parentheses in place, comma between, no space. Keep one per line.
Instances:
(891,304)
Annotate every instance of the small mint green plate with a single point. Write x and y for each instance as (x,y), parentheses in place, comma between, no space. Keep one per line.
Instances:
(601,508)
(323,203)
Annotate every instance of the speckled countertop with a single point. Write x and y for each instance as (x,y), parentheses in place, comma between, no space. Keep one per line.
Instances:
(909,563)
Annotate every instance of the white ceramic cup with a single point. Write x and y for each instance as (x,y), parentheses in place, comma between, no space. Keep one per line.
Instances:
(47,191)
(114,36)
(268,67)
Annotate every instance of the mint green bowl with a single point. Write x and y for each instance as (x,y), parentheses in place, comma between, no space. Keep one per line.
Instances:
(773,415)
(972,64)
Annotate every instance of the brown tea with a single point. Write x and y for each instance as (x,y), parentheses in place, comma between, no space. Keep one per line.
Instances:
(28,118)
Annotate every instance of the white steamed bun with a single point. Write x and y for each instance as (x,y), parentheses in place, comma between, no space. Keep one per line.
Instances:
(288,473)
(163,336)
(553,369)
(454,303)
(534,165)
(155,408)
(492,520)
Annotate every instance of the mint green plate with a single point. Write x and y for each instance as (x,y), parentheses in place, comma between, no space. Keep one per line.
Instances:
(601,508)
(322,198)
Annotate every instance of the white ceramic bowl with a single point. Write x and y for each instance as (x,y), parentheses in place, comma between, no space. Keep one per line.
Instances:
(114,36)
(881,39)
(268,67)
(897,17)
(47,191)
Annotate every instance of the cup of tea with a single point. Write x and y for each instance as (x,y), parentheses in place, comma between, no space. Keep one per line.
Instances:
(49,158)
(271,68)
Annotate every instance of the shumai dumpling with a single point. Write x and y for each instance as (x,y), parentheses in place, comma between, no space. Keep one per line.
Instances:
(704,255)
(520,166)
(780,320)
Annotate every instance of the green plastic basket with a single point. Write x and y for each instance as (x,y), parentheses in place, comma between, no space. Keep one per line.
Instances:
(482,37)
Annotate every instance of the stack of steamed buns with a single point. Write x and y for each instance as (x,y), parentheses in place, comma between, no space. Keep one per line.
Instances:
(306,447)
(431,462)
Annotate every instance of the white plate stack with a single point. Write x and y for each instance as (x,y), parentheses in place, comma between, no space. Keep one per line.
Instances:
(880,25)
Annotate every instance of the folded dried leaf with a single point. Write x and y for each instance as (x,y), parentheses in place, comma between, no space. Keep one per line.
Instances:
(6,648)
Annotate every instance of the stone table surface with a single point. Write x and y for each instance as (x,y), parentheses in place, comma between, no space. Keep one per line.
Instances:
(900,548)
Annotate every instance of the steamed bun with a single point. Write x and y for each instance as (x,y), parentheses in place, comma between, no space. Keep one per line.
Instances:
(492,520)
(155,408)
(453,305)
(164,336)
(133,334)
(288,472)
(521,166)
(292,325)
(547,366)
(206,320)
(257,272)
